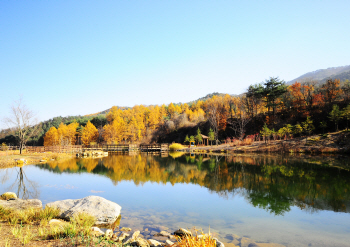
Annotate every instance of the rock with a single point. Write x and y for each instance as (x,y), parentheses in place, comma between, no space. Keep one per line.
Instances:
(20,204)
(141,242)
(182,232)
(157,228)
(268,245)
(245,242)
(168,243)
(125,229)
(97,231)
(8,195)
(105,211)
(154,243)
(123,236)
(232,236)
(109,233)
(21,161)
(153,233)
(55,222)
(231,245)
(115,237)
(163,234)
(132,238)
(218,243)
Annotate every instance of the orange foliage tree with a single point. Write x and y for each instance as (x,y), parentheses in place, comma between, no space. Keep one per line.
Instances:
(331,90)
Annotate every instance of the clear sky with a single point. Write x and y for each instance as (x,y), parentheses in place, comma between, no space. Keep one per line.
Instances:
(81,57)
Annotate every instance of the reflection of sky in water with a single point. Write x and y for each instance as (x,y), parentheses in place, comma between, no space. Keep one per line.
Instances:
(187,205)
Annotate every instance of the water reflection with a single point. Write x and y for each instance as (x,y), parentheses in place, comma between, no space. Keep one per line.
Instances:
(273,183)
(24,187)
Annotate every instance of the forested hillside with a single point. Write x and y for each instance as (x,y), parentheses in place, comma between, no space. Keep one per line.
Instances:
(271,108)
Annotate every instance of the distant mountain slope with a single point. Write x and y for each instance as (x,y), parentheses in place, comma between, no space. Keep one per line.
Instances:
(321,75)
(208,96)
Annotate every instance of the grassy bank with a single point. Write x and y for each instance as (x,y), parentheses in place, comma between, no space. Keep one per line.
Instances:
(31,227)
(8,158)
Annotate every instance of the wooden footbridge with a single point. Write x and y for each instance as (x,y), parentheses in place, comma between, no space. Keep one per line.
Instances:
(149,148)
(134,147)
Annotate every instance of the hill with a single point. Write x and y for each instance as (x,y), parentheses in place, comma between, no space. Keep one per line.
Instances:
(321,75)
(208,96)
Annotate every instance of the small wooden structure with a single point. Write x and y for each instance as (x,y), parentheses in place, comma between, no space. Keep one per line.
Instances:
(205,140)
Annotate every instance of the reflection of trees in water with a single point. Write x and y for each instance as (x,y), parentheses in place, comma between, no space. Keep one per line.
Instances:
(274,183)
(24,187)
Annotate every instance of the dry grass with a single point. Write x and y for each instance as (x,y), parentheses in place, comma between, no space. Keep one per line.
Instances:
(30,227)
(7,158)
(27,216)
(201,240)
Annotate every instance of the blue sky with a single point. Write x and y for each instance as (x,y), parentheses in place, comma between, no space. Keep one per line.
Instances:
(81,57)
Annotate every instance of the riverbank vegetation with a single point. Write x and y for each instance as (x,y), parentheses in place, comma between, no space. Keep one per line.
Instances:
(13,158)
(269,110)
(33,227)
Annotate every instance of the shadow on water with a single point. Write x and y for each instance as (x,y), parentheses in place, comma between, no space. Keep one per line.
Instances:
(273,183)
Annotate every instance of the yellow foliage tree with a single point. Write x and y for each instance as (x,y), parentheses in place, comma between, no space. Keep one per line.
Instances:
(51,137)
(67,133)
(90,134)
(115,131)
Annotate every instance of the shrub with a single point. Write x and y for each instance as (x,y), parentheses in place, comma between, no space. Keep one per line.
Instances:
(176,146)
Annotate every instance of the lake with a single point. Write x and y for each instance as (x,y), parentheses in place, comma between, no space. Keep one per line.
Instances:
(295,201)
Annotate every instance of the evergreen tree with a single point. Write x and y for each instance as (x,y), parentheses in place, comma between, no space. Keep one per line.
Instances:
(308,126)
(323,125)
(211,136)
(199,136)
(297,130)
(265,132)
(345,113)
(335,116)
(274,88)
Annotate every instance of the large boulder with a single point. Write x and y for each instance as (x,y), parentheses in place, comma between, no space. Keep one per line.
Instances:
(20,204)
(105,211)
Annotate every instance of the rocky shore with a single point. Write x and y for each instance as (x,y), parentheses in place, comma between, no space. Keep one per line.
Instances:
(107,224)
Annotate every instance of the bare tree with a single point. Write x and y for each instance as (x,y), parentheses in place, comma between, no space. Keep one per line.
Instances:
(214,118)
(241,119)
(22,122)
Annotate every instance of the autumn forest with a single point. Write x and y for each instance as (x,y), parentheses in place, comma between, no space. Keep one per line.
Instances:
(272,108)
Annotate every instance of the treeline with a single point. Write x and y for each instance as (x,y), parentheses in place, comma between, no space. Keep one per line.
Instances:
(270,105)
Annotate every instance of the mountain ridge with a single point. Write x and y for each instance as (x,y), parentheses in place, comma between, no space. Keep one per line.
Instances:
(322,75)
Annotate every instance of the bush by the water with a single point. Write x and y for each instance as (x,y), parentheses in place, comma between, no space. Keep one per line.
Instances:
(176,146)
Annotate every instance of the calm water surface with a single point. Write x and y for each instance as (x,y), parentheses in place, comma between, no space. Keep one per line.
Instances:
(288,200)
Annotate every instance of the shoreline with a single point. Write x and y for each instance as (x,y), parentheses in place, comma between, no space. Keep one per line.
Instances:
(115,234)
(10,159)
(332,143)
